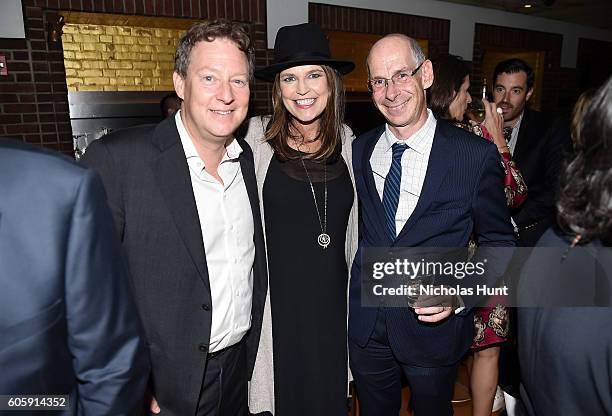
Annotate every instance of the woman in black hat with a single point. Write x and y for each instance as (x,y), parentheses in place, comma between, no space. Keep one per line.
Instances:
(302,155)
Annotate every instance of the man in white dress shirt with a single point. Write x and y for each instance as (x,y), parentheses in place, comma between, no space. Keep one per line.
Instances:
(421,183)
(184,199)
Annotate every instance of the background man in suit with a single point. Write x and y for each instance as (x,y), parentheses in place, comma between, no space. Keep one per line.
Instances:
(537,149)
(68,324)
(184,198)
(537,146)
(420,182)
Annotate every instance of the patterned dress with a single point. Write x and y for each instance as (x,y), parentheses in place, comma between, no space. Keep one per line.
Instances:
(491,322)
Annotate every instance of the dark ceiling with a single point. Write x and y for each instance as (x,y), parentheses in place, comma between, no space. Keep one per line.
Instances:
(597,13)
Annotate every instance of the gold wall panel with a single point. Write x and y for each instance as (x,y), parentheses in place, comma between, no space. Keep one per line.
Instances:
(119,58)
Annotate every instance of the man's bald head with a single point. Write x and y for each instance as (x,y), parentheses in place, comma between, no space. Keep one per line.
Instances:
(398,74)
(394,39)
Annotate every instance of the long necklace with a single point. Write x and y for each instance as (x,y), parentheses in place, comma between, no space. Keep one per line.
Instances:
(323,239)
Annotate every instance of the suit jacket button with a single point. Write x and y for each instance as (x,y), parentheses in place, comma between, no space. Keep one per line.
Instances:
(205,306)
(203,347)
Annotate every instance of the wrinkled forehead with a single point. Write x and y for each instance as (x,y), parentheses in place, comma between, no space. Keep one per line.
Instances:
(390,55)
(221,51)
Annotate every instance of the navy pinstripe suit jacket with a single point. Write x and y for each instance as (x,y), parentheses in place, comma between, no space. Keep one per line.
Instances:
(462,195)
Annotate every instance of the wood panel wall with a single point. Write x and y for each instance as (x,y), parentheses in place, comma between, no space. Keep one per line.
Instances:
(503,38)
(351,19)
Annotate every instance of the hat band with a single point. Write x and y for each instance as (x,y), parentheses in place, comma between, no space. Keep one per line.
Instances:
(301,56)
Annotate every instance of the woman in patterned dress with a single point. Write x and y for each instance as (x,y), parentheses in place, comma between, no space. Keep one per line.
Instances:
(448,98)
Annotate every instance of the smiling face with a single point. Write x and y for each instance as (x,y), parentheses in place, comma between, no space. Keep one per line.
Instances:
(215,91)
(403,105)
(459,105)
(305,92)
(511,95)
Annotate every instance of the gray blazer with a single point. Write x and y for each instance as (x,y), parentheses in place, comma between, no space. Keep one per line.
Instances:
(146,176)
(261,387)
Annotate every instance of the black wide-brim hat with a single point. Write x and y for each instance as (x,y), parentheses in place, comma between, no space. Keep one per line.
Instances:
(303,44)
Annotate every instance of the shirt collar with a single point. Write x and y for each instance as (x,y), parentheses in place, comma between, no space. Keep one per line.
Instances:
(232,151)
(517,125)
(420,141)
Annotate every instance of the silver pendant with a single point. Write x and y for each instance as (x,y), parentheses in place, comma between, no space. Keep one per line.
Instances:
(323,240)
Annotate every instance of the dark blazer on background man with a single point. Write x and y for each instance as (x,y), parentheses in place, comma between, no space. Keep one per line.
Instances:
(147,177)
(68,323)
(539,155)
(462,194)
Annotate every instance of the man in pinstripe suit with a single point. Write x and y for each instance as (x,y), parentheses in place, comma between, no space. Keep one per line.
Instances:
(421,183)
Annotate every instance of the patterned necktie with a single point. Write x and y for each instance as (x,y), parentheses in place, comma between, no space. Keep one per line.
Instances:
(391,191)
(507,134)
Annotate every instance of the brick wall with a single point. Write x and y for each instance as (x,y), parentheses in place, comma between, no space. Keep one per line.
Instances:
(119,58)
(351,19)
(33,98)
(261,92)
(361,116)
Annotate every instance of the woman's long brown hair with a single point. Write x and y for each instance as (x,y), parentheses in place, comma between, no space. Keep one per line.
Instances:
(279,132)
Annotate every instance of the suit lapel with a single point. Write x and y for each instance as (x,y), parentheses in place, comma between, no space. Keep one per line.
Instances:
(248,174)
(371,191)
(437,168)
(172,174)
(523,140)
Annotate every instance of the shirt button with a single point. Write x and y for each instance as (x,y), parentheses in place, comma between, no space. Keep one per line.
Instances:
(203,347)
(205,306)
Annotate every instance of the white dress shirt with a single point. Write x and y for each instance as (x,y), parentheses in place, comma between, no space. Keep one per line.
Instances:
(511,147)
(414,166)
(227,227)
(514,135)
(415,160)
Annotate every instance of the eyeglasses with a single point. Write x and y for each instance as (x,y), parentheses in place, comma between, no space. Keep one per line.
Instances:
(401,77)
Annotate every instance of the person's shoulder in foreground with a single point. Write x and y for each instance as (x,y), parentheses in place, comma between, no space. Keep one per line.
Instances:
(67,322)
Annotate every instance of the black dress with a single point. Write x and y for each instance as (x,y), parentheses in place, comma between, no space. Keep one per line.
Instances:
(308,285)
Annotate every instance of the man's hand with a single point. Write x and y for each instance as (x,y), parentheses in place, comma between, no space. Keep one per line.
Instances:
(433,313)
(154,406)
(434,308)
